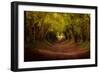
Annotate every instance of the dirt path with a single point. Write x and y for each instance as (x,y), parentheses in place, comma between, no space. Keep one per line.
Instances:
(58,51)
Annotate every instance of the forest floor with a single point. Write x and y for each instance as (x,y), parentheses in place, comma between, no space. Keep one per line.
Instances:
(59,50)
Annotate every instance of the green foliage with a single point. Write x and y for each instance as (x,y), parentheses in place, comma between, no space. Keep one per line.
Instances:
(73,26)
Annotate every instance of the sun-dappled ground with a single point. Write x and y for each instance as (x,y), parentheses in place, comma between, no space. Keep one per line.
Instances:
(56,51)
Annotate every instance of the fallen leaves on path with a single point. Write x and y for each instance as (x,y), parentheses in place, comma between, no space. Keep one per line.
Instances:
(58,51)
